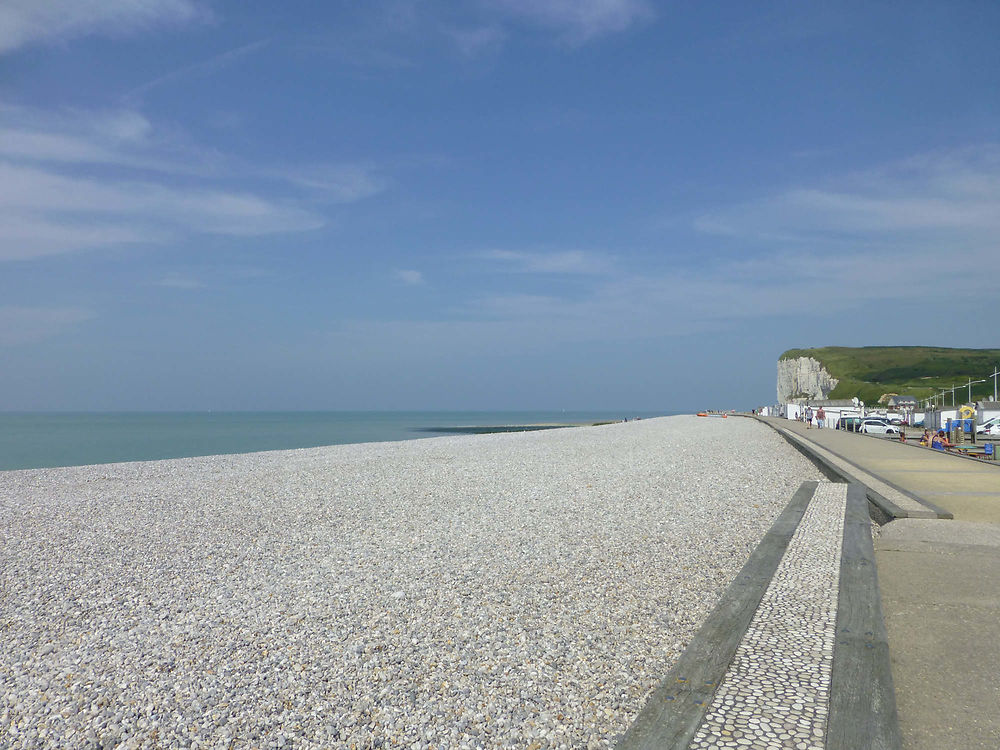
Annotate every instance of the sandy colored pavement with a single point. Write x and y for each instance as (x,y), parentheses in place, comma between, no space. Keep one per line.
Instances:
(940,587)
(940,584)
(968,488)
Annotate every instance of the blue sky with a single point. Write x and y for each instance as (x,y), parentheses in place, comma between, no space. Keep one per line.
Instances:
(495,204)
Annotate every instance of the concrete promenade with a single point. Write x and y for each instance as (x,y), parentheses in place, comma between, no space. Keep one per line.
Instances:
(940,587)
(795,654)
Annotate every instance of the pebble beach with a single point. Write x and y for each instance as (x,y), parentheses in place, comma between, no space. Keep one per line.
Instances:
(518,590)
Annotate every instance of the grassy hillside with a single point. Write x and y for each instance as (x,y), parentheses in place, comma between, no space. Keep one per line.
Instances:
(869,371)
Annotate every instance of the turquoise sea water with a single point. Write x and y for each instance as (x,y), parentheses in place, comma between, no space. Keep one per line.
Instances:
(37,440)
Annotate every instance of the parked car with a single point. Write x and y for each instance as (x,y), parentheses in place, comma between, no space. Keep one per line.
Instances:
(989,427)
(878,427)
(851,424)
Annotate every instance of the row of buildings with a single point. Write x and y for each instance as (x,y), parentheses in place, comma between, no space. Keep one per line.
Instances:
(904,408)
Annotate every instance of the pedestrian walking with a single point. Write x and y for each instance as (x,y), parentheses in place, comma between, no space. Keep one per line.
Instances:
(809,417)
(820,418)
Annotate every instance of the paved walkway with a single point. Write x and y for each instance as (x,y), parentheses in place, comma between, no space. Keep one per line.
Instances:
(776,692)
(968,488)
(794,656)
(940,587)
(891,501)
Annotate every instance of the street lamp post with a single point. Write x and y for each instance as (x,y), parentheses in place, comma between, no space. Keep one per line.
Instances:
(996,373)
(972,383)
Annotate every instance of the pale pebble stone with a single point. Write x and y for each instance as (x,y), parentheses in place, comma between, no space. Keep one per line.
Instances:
(544,576)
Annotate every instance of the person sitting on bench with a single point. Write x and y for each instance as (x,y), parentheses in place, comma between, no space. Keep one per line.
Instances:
(940,441)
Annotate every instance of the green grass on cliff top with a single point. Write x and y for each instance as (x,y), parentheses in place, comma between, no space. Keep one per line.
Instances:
(870,371)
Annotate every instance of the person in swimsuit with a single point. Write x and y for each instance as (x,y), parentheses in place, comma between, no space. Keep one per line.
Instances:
(940,441)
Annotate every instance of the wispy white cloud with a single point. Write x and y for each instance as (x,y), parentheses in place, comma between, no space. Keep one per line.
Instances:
(56,147)
(557,262)
(476,40)
(956,192)
(338,183)
(179,281)
(121,137)
(577,20)
(205,67)
(42,204)
(24,235)
(898,231)
(24,22)
(396,34)
(76,180)
(24,325)
(888,236)
(409,276)
(124,137)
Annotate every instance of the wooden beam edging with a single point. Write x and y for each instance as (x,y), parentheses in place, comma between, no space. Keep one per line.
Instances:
(882,509)
(874,496)
(831,471)
(862,700)
(677,708)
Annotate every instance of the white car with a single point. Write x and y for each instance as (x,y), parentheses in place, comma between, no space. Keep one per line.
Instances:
(989,427)
(878,427)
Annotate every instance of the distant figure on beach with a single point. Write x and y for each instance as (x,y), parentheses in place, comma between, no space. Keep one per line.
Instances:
(820,418)
(809,417)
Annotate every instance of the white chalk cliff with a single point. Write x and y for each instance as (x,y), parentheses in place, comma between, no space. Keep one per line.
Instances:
(803,378)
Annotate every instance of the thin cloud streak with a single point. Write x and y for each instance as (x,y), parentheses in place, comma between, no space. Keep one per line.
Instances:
(45,213)
(410,276)
(206,210)
(578,21)
(711,299)
(82,180)
(23,22)
(394,34)
(945,191)
(25,236)
(178,281)
(478,40)
(124,138)
(337,183)
(205,67)
(886,249)
(118,138)
(560,262)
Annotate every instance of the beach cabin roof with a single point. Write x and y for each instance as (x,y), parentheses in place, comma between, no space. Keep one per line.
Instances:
(834,402)
(988,409)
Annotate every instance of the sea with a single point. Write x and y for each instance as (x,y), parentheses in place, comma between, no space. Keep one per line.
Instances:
(40,440)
